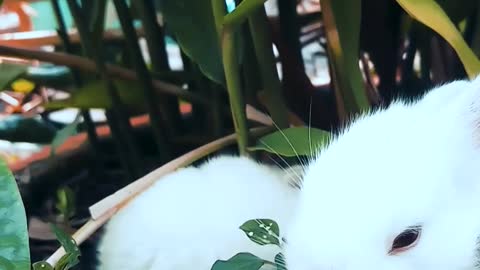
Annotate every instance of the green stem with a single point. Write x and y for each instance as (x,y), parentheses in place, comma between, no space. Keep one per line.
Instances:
(121,130)
(232,76)
(242,12)
(155,38)
(157,113)
(262,41)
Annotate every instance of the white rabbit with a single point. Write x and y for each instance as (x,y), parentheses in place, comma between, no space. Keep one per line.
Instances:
(399,189)
(191,218)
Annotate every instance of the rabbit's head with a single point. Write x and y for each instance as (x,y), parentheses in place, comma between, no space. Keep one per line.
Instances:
(399,189)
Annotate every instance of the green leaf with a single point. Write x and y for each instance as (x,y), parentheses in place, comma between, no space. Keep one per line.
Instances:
(14,246)
(66,202)
(42,266)
(95,95)
(67,261)
(193,25)
(262,231)
(241,261)
(342,27)
(63,134)
(280,262)
(67,242)
(291,142)
(72,252)
(433,16)
(9,72)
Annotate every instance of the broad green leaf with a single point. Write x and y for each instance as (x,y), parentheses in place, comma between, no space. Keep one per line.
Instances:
(9,72)
(42,266)
(291,142)
(280,262)
(433,16)
(63,134)
(95,95)
(193,25)
(72,252)
(262,231)
(14,246)
(241,261)
(342,26)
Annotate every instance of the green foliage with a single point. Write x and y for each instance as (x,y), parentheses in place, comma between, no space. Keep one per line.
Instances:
(193,25)
(10,72)
(241,261)
(291,142)
(63,134)
(95,95)
(280,262)
(14,249)
(72,252)
(66,202)
(432,15)
(42,266)
(262,231)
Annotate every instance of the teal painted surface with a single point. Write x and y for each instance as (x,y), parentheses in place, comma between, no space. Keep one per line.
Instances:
(45,20)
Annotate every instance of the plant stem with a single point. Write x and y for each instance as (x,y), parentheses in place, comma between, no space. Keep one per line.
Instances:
(88,65)
(63,35)
(242,12)
(157,114)
(121,130)
(262,42)
(232,76)
(155,38)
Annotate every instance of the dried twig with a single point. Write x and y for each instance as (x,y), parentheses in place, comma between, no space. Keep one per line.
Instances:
(106,208)
(88,65)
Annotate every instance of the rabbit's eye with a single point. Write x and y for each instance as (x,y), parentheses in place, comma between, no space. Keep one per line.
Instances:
(405,240)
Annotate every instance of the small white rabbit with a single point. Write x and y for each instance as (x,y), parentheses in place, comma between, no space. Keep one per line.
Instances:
(190,218)
(399,189)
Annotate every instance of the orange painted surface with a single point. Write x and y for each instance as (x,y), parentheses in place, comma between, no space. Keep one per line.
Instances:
(76,141)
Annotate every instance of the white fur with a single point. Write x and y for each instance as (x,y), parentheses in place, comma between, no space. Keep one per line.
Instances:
(409,164)
(191,218)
